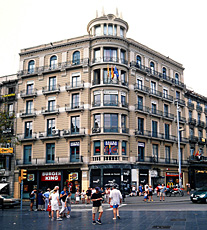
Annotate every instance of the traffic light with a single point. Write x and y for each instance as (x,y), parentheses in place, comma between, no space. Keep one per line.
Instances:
(23,174)
(69,177)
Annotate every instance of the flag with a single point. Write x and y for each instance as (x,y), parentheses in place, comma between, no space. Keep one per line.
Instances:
(112,73)
(197,154)
(108,74)
(194,152)
(109,149)
(116,72)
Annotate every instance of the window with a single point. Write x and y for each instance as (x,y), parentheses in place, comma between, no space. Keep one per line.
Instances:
(97,55)
(165,93)
(110,29)
(74,151)
(121,32)
(153,87)
(50,153)
(31,66)
(51,105)
(167,131)
(97,30)
(152,67)
(50,126)
(190,115)
(123,123)
(76,58)
(199,117)
(52,83)
(11,90)
(110,54)
(110,147)
(97,148)
(200,133)
(154,128)
(115,30)
(123,78)
(176,78)
(97,98)
(110,122)
(139,61)
(53,62)
(28,129)
(164,72)
(107,78)
(165,110)
(140,102)
(155,152)
(75,101)
(167,154)
(123,101)
(111,99)
(191,131)
(105,29)
(75,124)
(177,95)
(139,84)
(29,107)
(154,108)
(11,110)
(30,88)
(97,77)
(123,56)
(97,121)
(76,81)
(124,148)
(140,126)
(27,154)
(192,151)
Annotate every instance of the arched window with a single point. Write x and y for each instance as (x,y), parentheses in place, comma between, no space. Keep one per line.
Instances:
(152,67)
(31,66)
(176,78)
(139,61)
(76,58)
(164,72)
(53,62)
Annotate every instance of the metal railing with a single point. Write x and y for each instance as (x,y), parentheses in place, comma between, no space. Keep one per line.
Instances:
(201,124)
(141,88)
(28,93)
(193,139)
(27,137)
(142,108)
(155,92)
(199,108)
(27,113)
(190,105)
(109,158)
(51,89)
(54,133)
(74,106)
(180,101)
(167,97)
(76,85)
(168,115)
(191,121)
(73,131)
(50,110)
(110,103)
(156,112)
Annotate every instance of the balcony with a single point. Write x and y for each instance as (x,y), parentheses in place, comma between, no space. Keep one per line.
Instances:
(168,116)
(111,130)
(74,86)
(141,88)
(178,83)
(74,132)
(29,72)
(96,130)
(96,82)
(96,104)
(50,134)
(180,102)
(193,139)
(124,104)
(51,89)
(110,103)
(8,131)
(155,93)
(201,124)
(191,121)
(190,105)
(197,159)
(156,112)
(28,113)
(50,110)
(142,133)
(108,158)
(155,159)
(167,97)
(124,61)
(27,137)
(201,141)
(8,97)
(141,108)
(181,119)
(28,93)
(74,107)
(199,108)
(110,59)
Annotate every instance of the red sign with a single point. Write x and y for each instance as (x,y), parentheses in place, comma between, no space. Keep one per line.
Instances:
(51,176)
(174,174)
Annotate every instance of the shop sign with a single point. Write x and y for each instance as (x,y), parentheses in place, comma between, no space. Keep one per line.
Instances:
(201,171)
(114,143)
(9,95)
(172,174)
(153,173)
(30,177)
(51,176)
(74,143)
(141,144)
(6,150)
(74,175)
(96,181)
(112,174)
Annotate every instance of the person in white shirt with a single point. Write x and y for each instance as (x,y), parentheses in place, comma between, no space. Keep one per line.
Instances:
(115,199)
(55,202)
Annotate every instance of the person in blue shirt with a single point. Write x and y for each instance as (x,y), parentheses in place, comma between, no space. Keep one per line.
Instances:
(140,190)
(46,197)
(63,196)
(32,198)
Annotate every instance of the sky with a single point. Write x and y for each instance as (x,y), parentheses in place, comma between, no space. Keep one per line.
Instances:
(175,28)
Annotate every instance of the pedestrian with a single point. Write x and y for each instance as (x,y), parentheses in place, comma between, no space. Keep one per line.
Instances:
(96,198)
(36,198)
(68,204)
(88,194)
(146,188)
(140,190)
(46,197)
(107,194)
(55,202)
(83,195)
(188,188)
(63,196)
(32,198)
(115,200)
(150,193)
(77,197)
(162,192)
(40,201)
(145,196)
(102,193)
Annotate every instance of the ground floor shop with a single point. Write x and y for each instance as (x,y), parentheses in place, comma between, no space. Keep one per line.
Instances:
(198,176)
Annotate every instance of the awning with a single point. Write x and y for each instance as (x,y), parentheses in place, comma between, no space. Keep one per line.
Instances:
(2,185)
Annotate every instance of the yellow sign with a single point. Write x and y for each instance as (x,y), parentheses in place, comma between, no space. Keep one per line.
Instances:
(6,150)
(9,95)
(203,140)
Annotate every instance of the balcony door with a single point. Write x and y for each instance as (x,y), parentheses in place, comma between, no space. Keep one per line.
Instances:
(141,151)
(74,151)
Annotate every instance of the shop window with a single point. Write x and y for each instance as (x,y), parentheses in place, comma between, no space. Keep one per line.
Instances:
(76,58)
(27,154)
(50,153)
(97,148)
(74,151)
(53,62)
(124,148)
(110,147)
(31,66)
(28,129)
(75,124)
(110,122)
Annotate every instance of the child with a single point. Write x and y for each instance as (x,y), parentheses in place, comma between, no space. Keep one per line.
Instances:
(150,190)
(77,197)
(83,195)
(68,204)
(145,196)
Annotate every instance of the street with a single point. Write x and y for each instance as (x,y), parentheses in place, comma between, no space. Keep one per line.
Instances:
(174,213)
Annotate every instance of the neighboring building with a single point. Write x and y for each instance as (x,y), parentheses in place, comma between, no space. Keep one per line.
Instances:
(8,103)
(196,114)
(74,118)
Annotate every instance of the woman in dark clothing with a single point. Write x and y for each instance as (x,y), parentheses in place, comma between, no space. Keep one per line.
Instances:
(40,201)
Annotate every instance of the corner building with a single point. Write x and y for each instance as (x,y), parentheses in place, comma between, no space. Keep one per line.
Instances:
(74,117)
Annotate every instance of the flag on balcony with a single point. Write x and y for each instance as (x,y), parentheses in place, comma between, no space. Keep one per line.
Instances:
(194,152)
(116,72)
(109,149)
(108,73)
(112,73)
(197,154)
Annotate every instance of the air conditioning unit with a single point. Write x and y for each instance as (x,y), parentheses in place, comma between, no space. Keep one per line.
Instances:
(41,135)
(3,179)
(7,131)
(55,132)
(96,130)
(66,132)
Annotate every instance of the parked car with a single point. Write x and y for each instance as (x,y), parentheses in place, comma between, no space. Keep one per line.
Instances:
(9,201)
(199,196)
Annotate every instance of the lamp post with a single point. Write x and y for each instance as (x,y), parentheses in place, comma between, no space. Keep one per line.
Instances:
(179,156)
